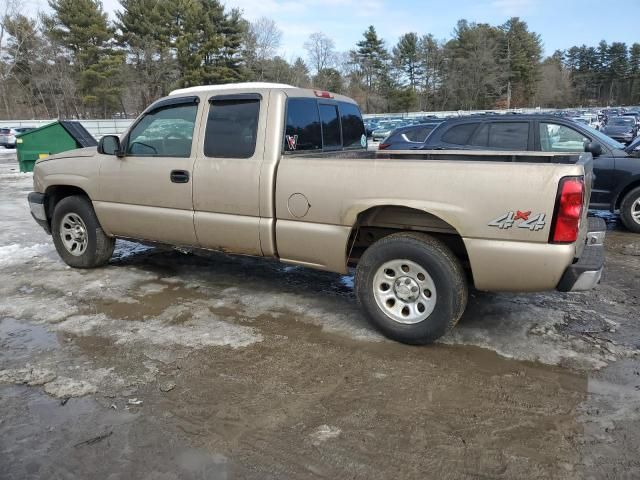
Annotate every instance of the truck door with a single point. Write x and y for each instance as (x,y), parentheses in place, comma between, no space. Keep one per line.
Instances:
(555,137)
(147,193)
(226,178)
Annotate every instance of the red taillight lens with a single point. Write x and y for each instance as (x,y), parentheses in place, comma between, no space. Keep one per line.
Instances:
(382,146)
(569,205)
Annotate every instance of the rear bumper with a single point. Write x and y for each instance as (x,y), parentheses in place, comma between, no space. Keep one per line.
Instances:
(586,272)
(37,205)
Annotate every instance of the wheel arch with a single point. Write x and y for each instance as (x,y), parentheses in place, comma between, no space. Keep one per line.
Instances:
(55,193)
(376,222)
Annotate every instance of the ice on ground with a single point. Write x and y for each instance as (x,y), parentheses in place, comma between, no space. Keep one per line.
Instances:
(28,376)
(17,175)
(500,324)
(324,433)
(125,249)
(16,254)
(203,329)
(63,387)
(345,321)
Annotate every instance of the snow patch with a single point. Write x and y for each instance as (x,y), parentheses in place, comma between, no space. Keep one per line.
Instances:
(15,254)
(332,318)
(28,376)
(324,433)
(202,330)
(63,387)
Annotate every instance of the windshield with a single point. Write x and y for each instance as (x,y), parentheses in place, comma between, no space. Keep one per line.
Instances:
(622,122)
(603,139)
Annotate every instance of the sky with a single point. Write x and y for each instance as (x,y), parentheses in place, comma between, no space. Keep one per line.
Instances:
(561,23)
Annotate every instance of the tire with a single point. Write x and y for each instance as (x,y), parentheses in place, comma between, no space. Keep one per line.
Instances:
(74,222)
(629,207)
(432,268)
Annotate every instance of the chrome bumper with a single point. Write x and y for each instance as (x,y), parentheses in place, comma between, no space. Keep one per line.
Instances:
(586,272)
(37,205)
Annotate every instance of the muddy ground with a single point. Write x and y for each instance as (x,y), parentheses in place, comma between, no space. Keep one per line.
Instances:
(170,365)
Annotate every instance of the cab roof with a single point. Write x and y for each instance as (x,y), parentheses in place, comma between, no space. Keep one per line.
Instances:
(228,86)
(252,86)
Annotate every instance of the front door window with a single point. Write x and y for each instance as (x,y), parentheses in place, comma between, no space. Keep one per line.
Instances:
(164,132)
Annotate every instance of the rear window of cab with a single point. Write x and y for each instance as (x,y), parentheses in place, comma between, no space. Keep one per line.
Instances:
(317,125)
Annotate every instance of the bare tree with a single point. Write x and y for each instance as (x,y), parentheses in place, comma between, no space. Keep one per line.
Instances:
(262,40)
(321,51)
(267,37)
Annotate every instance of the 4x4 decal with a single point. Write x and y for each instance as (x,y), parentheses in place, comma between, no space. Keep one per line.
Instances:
(533,223)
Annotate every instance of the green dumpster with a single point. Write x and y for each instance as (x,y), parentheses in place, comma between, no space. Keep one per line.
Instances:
(56,137)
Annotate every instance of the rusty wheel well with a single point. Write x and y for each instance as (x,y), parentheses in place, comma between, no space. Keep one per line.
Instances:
(55,193)
(378,222)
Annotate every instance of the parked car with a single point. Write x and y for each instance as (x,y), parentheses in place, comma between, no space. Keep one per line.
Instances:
(8,135)
(617,169)
(589,120)
(633,114)
(622,129)
(198,169)
(383,130)
(408,138)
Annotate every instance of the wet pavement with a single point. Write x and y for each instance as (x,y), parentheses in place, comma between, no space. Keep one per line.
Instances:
(172,365)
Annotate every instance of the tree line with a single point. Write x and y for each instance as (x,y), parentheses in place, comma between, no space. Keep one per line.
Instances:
(74,62)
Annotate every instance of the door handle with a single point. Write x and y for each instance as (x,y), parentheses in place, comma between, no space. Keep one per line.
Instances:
(179,176)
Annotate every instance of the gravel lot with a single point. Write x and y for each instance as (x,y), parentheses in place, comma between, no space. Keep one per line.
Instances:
(170,365)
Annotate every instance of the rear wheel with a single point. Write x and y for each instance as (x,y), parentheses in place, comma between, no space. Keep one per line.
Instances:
(77,234)
(630,210)
(411,287)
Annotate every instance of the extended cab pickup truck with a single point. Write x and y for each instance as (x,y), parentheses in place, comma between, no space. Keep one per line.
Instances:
(276,171)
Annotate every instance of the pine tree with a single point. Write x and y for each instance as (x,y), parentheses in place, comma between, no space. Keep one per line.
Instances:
(406,56)
(370,58)
(522,52)
(82,28)
(144,33)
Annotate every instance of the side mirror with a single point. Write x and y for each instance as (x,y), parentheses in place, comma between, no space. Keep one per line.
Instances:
(594,148)
(110,145)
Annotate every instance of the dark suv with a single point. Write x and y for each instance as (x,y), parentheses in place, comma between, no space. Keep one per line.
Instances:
(617,169)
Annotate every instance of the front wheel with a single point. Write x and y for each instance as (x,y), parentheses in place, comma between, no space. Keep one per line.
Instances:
(77,234)
(411,287)
(630,210)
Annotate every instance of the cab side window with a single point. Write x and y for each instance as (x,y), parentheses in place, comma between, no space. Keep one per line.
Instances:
(232,127)
(560,138)
(352,125)
(302,131)
(164,132)
(330,126)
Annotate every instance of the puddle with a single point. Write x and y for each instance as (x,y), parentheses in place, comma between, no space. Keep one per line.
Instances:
(20,340)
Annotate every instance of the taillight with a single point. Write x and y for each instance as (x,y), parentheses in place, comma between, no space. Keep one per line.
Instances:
(568,211)
(382,146)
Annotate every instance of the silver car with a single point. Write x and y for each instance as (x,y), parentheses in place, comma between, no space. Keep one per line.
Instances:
(8,135)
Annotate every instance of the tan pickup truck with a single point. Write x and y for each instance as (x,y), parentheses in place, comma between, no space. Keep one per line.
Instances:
(276,171)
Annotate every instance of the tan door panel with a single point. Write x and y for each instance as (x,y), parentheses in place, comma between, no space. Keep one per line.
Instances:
(226,177)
